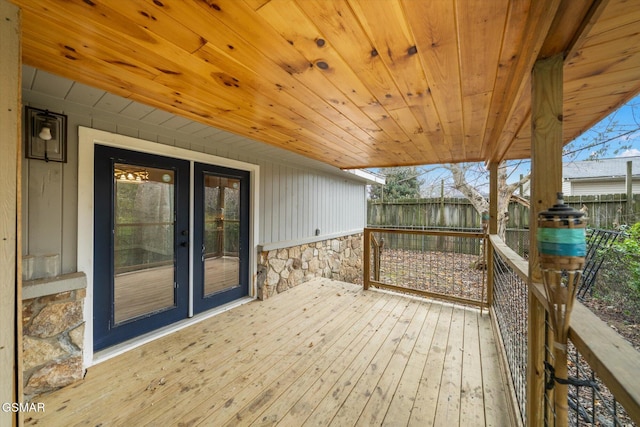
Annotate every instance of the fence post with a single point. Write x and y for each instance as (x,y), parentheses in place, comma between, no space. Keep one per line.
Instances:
(366,273)
(629,184)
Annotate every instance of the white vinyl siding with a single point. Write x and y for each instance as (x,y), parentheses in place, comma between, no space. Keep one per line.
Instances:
(296,202)
(591,188)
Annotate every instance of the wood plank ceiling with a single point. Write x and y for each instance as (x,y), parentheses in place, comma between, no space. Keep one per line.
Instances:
(352,83)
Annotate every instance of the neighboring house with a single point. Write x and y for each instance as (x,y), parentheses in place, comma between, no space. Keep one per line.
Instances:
(271,219)
(604,176)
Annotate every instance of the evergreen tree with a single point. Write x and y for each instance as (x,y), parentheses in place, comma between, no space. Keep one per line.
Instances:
(401,183)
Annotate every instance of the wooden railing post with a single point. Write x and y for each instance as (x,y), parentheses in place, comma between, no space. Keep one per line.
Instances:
(377,248)
(546,182)
(493,227)
(366,273)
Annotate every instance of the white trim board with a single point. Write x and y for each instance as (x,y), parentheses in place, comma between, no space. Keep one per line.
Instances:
(87,139)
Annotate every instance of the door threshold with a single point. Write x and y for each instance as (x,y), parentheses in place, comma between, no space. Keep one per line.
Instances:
(115,350)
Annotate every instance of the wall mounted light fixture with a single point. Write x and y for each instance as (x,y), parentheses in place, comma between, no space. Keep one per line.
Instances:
(45,135)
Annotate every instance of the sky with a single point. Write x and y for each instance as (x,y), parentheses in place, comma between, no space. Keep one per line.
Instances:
(626,122)
(624,125)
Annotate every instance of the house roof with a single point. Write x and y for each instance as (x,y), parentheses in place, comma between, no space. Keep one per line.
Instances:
(352,83)
(602,168)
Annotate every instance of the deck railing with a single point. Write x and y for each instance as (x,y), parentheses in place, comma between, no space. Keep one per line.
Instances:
(442,264)
(509,309)
(598,355)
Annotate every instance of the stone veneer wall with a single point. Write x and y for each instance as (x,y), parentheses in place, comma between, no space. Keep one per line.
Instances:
(281,269)
(53,335)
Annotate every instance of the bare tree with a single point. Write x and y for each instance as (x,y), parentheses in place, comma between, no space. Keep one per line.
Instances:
(610,137)
(460,174)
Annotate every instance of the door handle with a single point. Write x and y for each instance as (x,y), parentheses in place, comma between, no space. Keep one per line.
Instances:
(184,244)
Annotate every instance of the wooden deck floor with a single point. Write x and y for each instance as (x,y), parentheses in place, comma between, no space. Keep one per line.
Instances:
(323,353)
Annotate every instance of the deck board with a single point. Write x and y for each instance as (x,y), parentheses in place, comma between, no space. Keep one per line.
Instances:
(471,398)
(494,393)
(426,401)
(288,388)
(344,403)
(323,353)
(448,408)
(348,344)
(404,398)
(379,397)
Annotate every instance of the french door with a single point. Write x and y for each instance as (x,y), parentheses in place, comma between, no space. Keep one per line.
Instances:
(141,243)
(221,235)
(142,237)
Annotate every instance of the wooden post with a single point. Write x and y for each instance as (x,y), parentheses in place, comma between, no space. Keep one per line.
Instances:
(493,227)
(546,182)
(521,211)
(493,198)
(10,274)
(629,181)
(441,220)
(366,270)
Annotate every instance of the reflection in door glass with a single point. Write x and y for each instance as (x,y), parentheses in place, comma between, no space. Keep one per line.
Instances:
(221,249)
(144,262)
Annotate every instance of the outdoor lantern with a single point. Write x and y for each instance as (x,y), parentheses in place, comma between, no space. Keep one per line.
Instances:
(561,249)
(46,135)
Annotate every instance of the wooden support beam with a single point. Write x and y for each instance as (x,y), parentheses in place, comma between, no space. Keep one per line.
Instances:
(539,20)
(493,197)
(493,226)
(10,295)
(546,182)
(596,9)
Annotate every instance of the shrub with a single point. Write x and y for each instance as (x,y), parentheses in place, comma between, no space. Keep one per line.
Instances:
(617,285)
(628,251)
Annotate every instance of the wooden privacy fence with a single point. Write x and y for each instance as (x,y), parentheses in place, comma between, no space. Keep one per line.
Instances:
(603,211)
(455,213)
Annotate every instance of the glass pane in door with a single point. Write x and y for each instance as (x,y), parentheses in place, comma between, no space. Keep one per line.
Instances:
(143,241)
(221,248)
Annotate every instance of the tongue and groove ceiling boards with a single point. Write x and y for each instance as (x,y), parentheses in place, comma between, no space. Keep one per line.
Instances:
(351,83)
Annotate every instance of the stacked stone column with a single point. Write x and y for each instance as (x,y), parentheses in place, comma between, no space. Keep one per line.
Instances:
(53,334)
